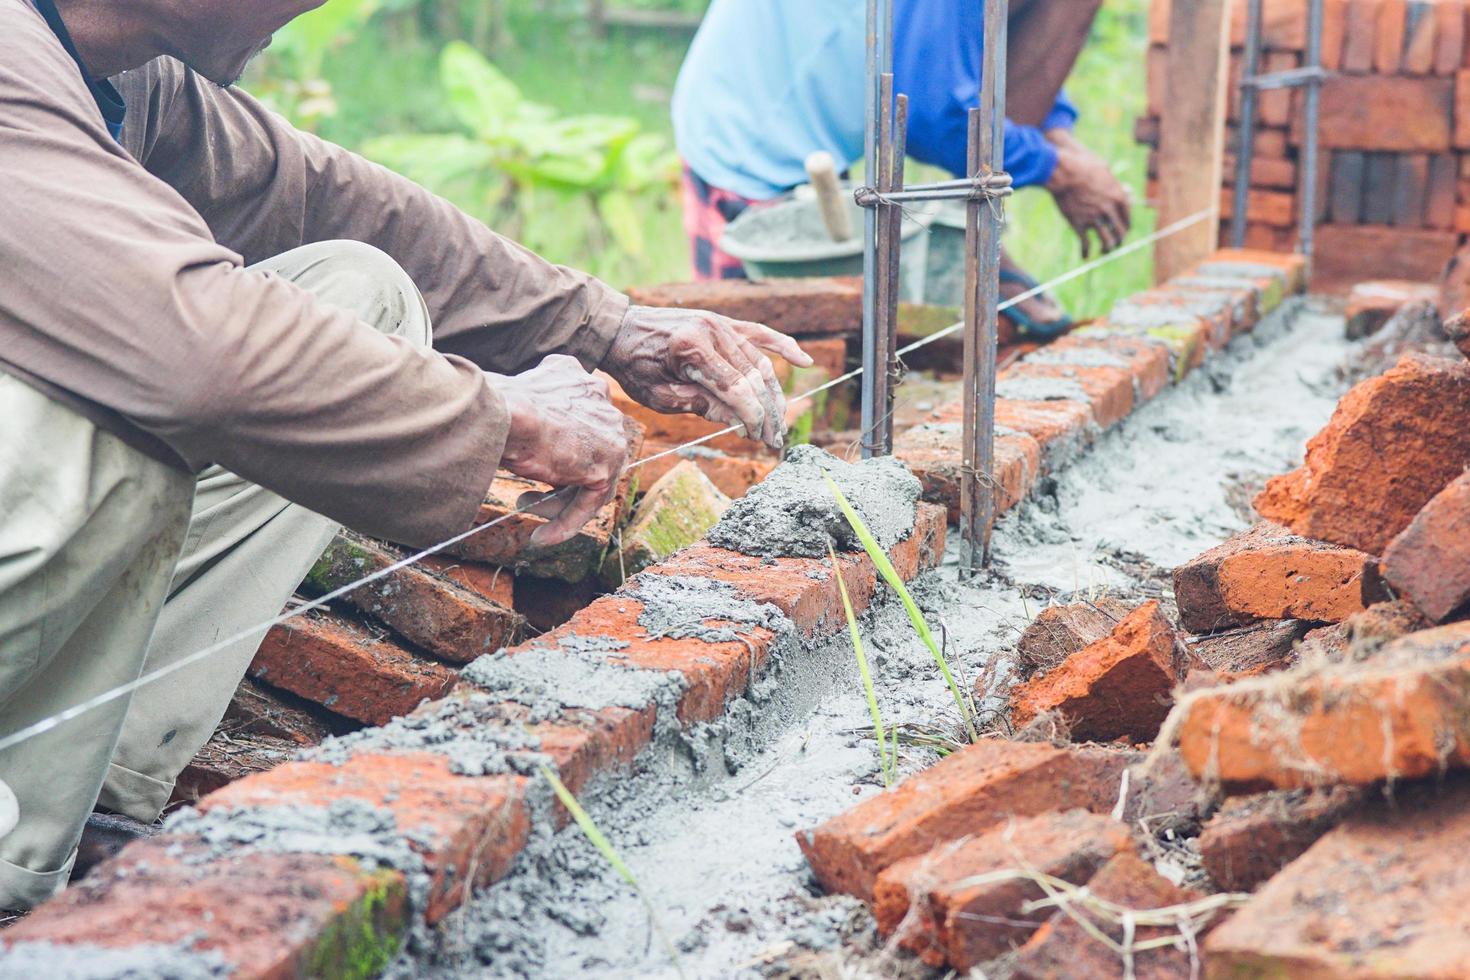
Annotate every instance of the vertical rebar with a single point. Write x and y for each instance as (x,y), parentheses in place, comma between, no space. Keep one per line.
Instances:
(879,45)
(892,263)
(984,219)
(1245,149)
(1308,196)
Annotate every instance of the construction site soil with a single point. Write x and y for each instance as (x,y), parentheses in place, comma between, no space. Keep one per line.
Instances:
(706,819)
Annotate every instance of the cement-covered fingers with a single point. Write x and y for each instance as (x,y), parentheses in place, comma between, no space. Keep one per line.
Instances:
(675,360)
(563,431)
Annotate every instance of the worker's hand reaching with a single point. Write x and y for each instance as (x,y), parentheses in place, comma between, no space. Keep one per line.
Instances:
(564,431)
(1087,193)
(675,360)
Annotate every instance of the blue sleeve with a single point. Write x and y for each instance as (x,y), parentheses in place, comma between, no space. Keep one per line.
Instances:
(1063,113)
(937,52)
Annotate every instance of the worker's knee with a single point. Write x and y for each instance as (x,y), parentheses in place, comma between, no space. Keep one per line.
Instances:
(359,278)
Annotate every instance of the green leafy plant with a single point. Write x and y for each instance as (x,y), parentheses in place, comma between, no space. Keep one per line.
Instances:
(292,83)
(559,184)
(610,854)
(887,760)
(916,617)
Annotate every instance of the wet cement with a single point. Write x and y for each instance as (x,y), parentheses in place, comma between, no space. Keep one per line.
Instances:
(792,512)
(30,961)
(707,826)
(668,599)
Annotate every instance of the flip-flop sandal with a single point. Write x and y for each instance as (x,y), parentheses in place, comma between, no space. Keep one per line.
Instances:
(1027,325)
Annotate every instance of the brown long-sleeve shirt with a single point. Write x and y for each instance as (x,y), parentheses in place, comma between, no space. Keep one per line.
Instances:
(124,293)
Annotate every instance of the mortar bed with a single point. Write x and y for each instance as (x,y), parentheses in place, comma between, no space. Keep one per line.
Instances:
(706,819)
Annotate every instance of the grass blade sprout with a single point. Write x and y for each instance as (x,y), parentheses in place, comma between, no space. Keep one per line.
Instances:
(614,860)
(888,766)
(885,569)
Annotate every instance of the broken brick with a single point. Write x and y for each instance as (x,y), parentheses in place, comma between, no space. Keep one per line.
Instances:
(1057,632)
(548,603)
(976,788)
(1429,561)
(257,710)
(1371,303)
(1345,254)
(227,757)
(486,581)
(1457,328)
(1118,686)
(1268,572)
(1362,634)
(1064,948)
(1385,894)
(1247,650)
(429,611)
(468,829)
(732,473)
(265,915)
(792,306)
(1251,838)
(1394,442)
(929,904)
(340,666)
(673,514)
(1399,715)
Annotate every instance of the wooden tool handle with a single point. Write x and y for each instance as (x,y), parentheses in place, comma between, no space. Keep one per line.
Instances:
(822,172)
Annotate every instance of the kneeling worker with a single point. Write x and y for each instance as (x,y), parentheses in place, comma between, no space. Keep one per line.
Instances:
(215,350)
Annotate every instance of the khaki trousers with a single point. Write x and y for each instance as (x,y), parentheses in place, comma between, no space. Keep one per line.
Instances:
(113,565)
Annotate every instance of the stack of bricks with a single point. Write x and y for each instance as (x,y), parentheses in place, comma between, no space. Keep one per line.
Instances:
(1394,166)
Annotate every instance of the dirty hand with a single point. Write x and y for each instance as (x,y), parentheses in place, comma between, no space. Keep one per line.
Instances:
(1087,193)
(564,431)
(675,360)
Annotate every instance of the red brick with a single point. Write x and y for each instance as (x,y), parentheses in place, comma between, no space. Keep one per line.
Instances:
(1384,113)
(1253,837)
(933,452)
(1057,426)
(1117,687)
(1265,172)
(1146,360)
(487,581)
(976,788)
(1362,25)
(1156,80)
(227,757)
(792,306)
(1240,300)
(1334,33)
(926,904)
(430,612)
(1348,254)
(1429,561)
(466,828)
(1269,573)
(1388,43)
(1402,714)
(1109,389)
(1371,303)
(258,710)
(1394,442)
(1063,948)
(733,473)
(1247,650)
(1383,895)
(1283,25)
(1421,37)
(266,915)
(1165,307)
(1449,46)
(1057,632)
(1457,328)
(1274,105)
(339,666)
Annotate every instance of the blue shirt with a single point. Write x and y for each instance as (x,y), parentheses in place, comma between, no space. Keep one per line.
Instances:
(767,82)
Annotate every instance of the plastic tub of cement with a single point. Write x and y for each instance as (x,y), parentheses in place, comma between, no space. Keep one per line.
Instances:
(788,240)
(944,272)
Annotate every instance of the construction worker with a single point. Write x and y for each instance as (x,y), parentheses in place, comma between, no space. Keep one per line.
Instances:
(215,350)
(767,82)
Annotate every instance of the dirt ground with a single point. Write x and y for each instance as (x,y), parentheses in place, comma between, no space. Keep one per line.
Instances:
(707,826)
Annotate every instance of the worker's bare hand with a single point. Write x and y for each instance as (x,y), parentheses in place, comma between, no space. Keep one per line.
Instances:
(675,360)
(564,431)
(1087,193)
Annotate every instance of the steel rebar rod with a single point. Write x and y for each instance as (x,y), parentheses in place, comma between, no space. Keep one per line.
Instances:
(983,223)
(879,35)
(897,150)
(1245,145)
(1308,194)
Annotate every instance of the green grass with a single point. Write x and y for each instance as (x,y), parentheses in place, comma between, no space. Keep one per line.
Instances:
(385,80)
(887,762)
